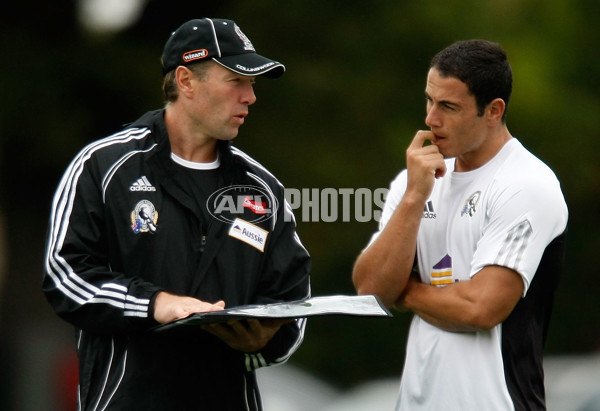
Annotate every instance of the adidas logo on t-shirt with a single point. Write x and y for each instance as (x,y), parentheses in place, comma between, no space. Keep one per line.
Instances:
(142,184)
(428,211)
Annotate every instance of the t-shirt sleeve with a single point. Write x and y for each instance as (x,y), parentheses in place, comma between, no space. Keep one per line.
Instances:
(522,219)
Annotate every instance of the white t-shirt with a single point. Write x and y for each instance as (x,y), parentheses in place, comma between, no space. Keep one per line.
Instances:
(503,213)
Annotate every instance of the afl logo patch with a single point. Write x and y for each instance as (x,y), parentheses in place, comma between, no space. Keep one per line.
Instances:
(144,218)
(230,203)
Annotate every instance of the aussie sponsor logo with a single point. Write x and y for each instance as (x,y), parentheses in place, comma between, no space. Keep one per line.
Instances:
(249,233)
(195,55)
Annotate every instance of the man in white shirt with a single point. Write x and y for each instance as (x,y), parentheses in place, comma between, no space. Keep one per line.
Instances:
(479,221)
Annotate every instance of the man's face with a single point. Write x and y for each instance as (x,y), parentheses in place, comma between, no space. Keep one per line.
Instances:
(452,117)
(221,102)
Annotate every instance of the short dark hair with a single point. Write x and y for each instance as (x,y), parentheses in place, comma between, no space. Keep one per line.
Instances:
(169,87)
(482,65)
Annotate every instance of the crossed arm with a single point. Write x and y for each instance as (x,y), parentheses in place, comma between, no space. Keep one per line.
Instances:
(476,305)
(384,268)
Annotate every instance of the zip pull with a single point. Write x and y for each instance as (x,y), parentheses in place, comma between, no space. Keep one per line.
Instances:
(202,243)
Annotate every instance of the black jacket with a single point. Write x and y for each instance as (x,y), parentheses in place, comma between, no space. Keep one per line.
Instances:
(125,226)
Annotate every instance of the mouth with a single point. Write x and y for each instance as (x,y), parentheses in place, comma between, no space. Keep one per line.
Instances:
(240,117)
(438,138)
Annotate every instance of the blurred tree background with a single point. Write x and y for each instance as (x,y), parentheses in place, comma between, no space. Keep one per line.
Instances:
(341,117)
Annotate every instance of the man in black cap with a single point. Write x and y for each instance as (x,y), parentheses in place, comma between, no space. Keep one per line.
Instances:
(166,218)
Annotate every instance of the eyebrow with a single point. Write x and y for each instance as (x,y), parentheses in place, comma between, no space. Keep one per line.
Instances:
(442,102)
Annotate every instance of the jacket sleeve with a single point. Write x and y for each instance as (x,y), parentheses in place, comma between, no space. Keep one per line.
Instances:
(286,277)
(78,281)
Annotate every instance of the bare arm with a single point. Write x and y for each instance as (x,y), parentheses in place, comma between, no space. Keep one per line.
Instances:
(475,305)
(384,267)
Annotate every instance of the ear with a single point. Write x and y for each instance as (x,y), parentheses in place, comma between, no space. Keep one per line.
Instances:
(495,110)
(183,78)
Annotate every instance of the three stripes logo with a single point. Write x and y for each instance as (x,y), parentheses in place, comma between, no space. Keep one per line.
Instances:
(142,184)
(428,211)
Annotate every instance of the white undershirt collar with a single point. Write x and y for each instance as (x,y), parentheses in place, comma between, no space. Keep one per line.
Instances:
(195,165)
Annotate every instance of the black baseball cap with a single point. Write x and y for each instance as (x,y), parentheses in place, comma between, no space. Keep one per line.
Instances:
(220,40)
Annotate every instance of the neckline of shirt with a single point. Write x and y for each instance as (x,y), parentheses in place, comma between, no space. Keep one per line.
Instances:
(196,165)
(503,153)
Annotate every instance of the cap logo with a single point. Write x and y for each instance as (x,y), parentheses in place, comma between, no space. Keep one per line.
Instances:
(247,44)
(254,69)
(195,55)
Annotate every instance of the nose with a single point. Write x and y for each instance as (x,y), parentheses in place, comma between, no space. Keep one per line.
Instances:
(432,119)
(248,97)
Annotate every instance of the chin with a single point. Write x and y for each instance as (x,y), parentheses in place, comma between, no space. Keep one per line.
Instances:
(446,153)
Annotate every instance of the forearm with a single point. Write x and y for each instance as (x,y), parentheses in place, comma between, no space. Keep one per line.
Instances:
(385,266)
(445,308)
(474,305)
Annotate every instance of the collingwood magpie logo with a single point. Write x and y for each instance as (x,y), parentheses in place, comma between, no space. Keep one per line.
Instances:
(144,218)
(428,211)
(471,204)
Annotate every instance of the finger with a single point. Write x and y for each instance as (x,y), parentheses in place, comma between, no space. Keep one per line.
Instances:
(197,306)
(440,172)
(208,307)
(420,138)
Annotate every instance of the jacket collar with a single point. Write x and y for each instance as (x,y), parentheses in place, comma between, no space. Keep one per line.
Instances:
(234,171)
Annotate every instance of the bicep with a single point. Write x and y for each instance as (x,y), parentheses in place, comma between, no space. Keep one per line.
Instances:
(495,290)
